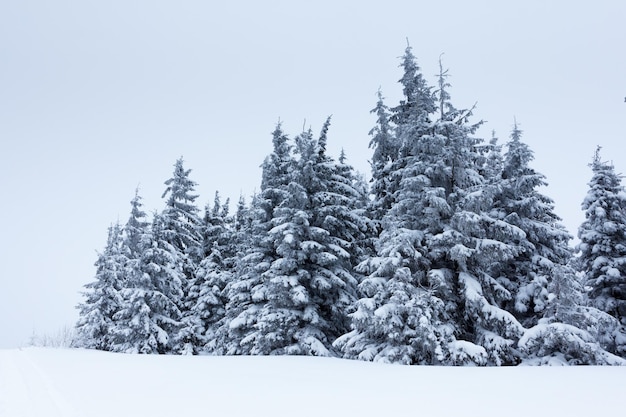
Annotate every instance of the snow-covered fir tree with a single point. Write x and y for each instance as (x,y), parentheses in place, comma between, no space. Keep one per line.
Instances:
(310,284)
(149,320)
(385,153)
(541,239)
(181,222)
(246,293)
(398,319)
(302,267)
(472,242)
(214,272)
(542,290)
(181,229)
(103,296)
(602,247)
(241,227)
(429,297)
(570,332)
(135,227)
(343,204)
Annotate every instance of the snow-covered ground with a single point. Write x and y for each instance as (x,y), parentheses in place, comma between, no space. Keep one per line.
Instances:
(80,383)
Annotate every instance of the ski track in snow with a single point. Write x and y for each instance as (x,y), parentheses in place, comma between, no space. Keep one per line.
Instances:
(26,391)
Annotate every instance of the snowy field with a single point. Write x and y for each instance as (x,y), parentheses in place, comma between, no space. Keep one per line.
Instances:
(80,383)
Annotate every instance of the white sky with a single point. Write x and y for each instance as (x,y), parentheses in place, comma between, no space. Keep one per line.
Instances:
(98,97)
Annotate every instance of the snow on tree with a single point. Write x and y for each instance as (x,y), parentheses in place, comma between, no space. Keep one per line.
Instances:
(493,160)
(241,237)
(602,245)
(102,296)
(570,332)
(541,239)
(461,262)
(181,229)
(308,285)
(246,293)
(149,319)
(429,297)
(135,227)
(295,285)
(415,110)
(466,245)
(181,223)
(214,272)
(386,152)
(343,207)
(399,319)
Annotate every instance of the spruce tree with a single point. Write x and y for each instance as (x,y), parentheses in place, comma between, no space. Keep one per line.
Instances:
(385,153)
(541,239)
(214,272)
(246,292)
(181,230)
(602,245)
(150,319)
(399,319)
(102,296)
(241,227)
(295,284)
(135,228)
(429,297)
(309,284)
(550,294)
(465,245)
(570,333)
(181,223)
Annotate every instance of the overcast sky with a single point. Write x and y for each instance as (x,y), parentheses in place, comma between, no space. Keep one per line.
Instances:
(97,98)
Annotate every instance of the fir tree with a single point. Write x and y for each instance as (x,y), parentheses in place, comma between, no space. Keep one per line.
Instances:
(212,275)
(418,104)
(309,284)
(297,282)
(181,224)
(429,290)
(570,332)
(241,225)
(602,245)
(180,229)
(386,152)
(102,296)
(246,293)
(542,240)
(399,319)
(135,227)
(464,246)
(150,319)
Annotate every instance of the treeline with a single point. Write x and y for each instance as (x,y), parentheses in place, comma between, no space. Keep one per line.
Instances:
(450,256)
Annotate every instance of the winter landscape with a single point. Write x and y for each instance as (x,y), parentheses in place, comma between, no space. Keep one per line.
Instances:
(401,257)
(451,255)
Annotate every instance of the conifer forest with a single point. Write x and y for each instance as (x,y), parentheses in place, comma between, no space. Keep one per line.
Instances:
(448,255)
